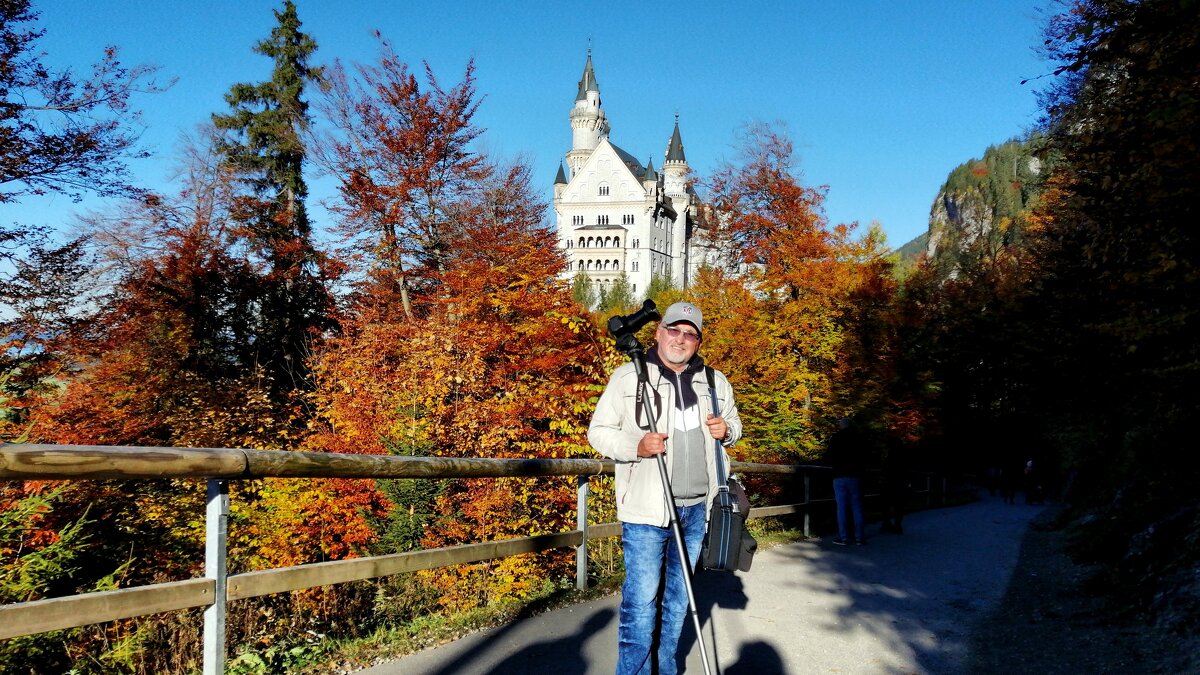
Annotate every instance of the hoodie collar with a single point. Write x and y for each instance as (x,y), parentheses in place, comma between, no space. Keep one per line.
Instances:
(687,393)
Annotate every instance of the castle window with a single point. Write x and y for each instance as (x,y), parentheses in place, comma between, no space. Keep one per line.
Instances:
(617,242)
(580,265)
(582,243)
(627,219)
(616,264)
(604,189)
(577,220)
(635,243)
(602,220)
(568,243)
(634,268)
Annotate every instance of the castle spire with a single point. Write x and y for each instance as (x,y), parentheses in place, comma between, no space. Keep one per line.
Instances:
(675,147)
(651,174)
(588,81)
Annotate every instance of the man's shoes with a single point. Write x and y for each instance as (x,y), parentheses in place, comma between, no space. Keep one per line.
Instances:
(860,542)
(839,542)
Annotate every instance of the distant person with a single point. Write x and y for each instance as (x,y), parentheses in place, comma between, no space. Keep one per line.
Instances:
(1010,480)
(1035,487)
(847,456)
(895,488)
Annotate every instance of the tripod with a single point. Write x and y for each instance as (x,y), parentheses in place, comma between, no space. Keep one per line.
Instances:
(627,342)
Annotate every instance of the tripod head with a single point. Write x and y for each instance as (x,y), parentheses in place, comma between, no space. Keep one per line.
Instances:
(624,328)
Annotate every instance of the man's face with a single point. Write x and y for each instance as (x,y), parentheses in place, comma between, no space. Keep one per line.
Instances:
(677,344)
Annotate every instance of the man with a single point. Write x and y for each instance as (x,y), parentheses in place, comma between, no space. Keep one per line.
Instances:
(847,456)
(686,427)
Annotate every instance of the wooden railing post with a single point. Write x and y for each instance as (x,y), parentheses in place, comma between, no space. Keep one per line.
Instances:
(216,534)
(581,556)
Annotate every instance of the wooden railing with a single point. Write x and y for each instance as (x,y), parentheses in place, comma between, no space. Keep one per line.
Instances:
(219,466)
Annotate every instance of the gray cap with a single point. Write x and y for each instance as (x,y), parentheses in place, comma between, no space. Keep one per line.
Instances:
(684,311)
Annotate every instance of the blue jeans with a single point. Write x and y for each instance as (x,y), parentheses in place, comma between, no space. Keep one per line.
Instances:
(647,548)
(847,491)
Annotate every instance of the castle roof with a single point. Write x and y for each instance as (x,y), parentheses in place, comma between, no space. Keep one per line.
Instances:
(650,174)
(675,147)
(588,81)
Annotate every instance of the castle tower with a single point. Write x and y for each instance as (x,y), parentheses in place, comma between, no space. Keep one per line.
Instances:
(588,123)
(675,173)
(560,183)
(675,169)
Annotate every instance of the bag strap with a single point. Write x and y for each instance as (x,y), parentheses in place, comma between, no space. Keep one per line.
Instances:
(716,407)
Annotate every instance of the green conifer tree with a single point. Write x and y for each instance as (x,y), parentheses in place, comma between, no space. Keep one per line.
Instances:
(584,291)
(660,286)
(263,144)
(618,296)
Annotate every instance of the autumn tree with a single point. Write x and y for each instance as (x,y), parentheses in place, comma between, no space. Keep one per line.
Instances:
(503,367)
(169,338)
(264,144)
(60,134)
(47,300)
(403,156)
(794,315)
(1117,242)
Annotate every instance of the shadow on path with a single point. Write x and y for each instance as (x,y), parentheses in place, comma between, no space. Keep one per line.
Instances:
(901,604)
(561,655)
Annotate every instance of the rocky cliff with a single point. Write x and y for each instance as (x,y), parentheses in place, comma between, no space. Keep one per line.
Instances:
(979,207)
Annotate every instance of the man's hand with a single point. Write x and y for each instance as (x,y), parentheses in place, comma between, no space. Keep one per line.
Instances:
(717,428)
(652,444)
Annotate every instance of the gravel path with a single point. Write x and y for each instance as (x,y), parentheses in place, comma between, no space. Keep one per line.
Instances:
(901,604)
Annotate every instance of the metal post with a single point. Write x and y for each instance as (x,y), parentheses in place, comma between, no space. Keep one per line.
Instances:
(581,556)
(807,499)
(216,534)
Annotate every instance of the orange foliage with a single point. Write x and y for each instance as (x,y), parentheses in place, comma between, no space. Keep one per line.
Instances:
(798,333)
(501,366)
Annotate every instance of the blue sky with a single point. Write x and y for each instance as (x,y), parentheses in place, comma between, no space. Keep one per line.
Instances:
(882,99)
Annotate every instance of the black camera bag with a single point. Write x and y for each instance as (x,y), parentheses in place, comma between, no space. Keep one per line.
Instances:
(728,545)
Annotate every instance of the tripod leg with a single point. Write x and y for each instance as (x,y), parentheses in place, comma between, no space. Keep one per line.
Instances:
(684,561)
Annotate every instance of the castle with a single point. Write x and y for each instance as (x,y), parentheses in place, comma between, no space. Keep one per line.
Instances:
(615,216)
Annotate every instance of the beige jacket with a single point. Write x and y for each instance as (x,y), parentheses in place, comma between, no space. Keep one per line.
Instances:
(614,432)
